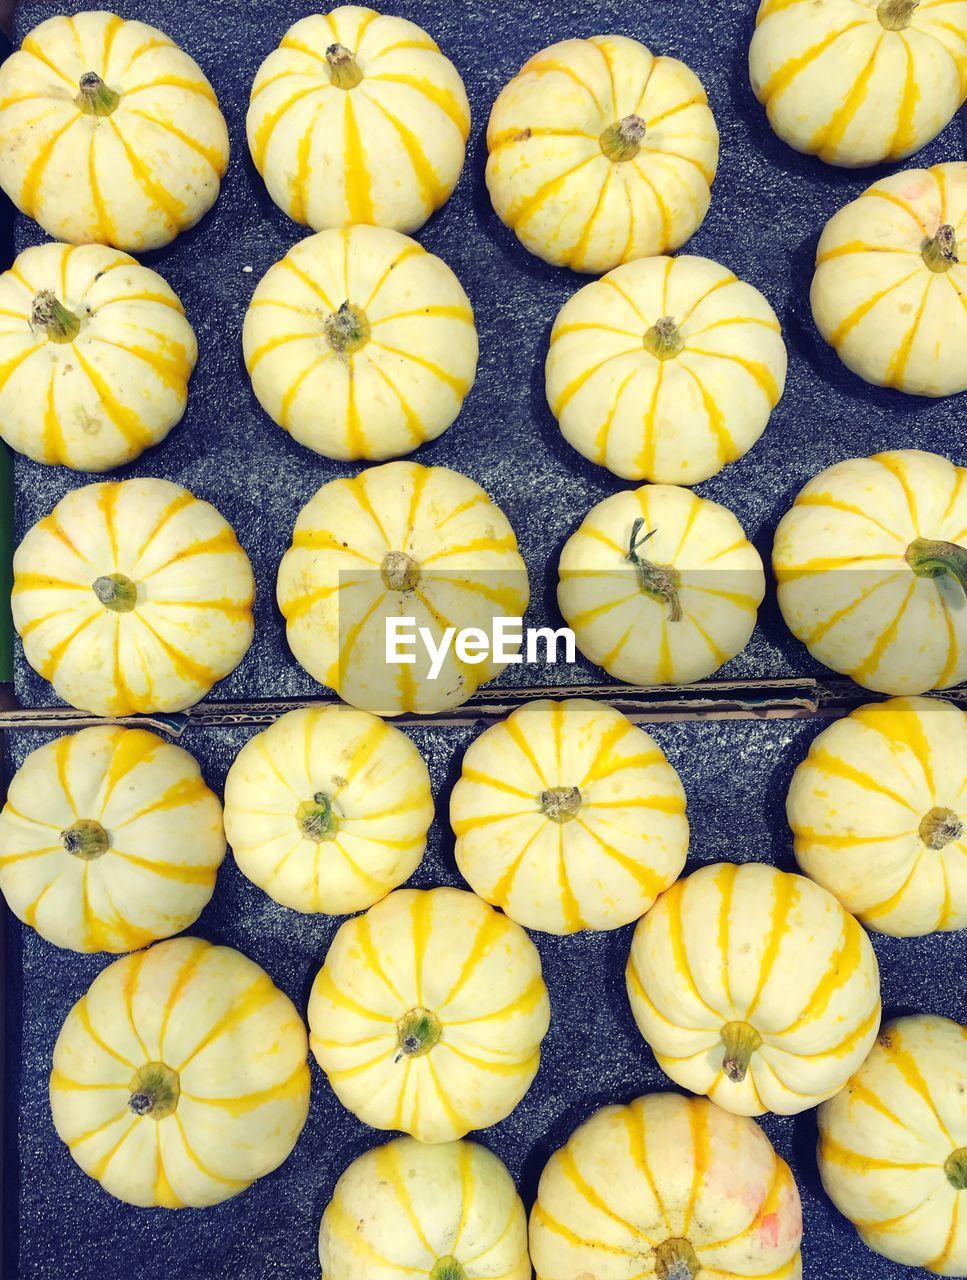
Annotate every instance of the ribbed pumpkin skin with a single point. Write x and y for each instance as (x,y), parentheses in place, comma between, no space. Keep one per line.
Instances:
(884,1142)
(116,389)
(133,178)
(554,186)
(446,952)
(377,785)
(630,632)
(837,82)
(164,827)
(750,944)
(846,589)
(401,1208)
(598,869)
(238,1047)
(387,151)
(858,804)
(192,621)
(407,381)
(890,318)
(703,407)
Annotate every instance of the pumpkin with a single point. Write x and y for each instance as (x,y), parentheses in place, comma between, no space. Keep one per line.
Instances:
(358,117)
(181,1076)
(398,541)
(109,132)
(428,1014)
(109,840)
(877,810)
(568,816)
(447,1212)
(95,356)
(360,344)
(132,597)
(859,83)
(755,987)
(669,1187)
(660,586)
(872,570)
(601,152)
(893,1145)
(328,809)
(890,289)
(665,370)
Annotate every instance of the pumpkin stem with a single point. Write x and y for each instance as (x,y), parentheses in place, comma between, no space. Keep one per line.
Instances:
(347,329)
(622,141)
(940,252)
(931,559)
(86,839)
(95,98)
(47,313)
(344,70)
(155,1091)
(447,1269)
(895,15)
(940,827)
(676,1260)
(399,571)
(664,340)
(955,1167)
(416,1033)
(116,592)
(561,804)
(658,580)
(316,819)
(740,1041)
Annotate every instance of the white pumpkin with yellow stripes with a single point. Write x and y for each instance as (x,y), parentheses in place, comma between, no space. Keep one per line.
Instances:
(755,987)
(181,1076)
(358,117)
(360,344)
(428,1014)
(666,369)
(109,132)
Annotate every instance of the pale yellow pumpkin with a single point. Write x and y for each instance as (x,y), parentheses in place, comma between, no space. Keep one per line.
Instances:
(358,117)
(132,597)
(666,369)
(669,1187)
(428,1014)
(109,132)
(877,810)
(893,1145)
(568,817)
(328,809)
(755,987)
(660,586)
(600,152)
(181,1076)
(360,344)
(872,569)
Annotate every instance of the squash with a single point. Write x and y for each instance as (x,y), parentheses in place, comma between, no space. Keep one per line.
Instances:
(132,597)
(181,1076)
(95,356)
(601,152)
(109,840)
(891,281)
(428,1014)
(877,810)
(872,569)
(660,586)
(109,132)
(446,1211)
(328,809)
(568,817)
(360,344)
(669,1187)
(859,83)
(893,1145)
(398,541)
(755,987)
(665,370)
(358,117)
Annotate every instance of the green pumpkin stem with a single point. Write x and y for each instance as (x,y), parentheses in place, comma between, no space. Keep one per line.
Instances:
(86,840)
(347,330)
(561,804)
(895,15)
(155,1091)
(316,819)
(676,1260)
(664,340)
(622,141)
(116,592)
(344,70)
(940,251)
(658,580)
(740,1041)
(955,1168)
(95,98)
(940,827)
(929,559)
(416,1033)
(447,1269)
(48,313)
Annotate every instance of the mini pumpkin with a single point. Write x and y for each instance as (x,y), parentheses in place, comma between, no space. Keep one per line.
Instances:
(890,289)
(360,343)
(358,117)
(660,586)
(428,1014)
(601,152)
(568,817)
(755,987)
(132,597)
(109,132)
(181,1076)
(666,369)
(872,569)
